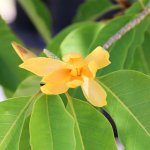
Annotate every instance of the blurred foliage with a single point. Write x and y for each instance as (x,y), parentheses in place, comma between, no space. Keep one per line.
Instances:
(34,121)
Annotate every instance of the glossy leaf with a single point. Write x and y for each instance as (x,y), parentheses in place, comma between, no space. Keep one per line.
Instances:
(39,15)
(92,130)
(51,126)
(12,116)
(128,104)
(10,74)
(92,9)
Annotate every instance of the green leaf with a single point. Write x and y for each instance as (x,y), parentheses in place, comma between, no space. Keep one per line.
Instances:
(142,55)
(136,42)
(80,40)
(136,7)
(51,126)
(39,15)
(12,116)
(28,87)
(128,104)
(58,45)
(92,130)
(122,51)
(10,74)
(25,136)
(92,9)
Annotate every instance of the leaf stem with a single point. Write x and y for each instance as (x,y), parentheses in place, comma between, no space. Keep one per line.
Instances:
(128,27)
(32,102)
(75,117)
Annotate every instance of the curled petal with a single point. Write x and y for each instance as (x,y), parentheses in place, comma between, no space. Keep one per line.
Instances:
(42,66)
(100,56)
(55,82)
(74,82)
(93,92)
(22,52)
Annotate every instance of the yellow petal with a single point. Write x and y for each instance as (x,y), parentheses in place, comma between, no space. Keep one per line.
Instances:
(42,66)
(93,92)
(90,70)
(54,89)
(75,82)
(22,52)
(71,57)
(55,82)
(100,56)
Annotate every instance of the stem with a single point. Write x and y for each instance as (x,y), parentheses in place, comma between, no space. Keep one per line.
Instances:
(128,27)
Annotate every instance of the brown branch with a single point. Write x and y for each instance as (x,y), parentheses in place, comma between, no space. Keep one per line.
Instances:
(128,27)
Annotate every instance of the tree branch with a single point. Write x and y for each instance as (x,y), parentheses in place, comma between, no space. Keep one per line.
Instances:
(128,27)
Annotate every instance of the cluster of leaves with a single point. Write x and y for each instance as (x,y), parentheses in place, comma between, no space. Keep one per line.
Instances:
(30,120)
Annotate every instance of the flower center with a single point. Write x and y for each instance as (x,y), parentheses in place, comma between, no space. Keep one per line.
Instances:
(75,72)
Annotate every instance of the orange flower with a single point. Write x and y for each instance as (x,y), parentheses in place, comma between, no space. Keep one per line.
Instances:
(58,76)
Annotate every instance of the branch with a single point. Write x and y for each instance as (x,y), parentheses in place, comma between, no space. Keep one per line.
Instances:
(128,27)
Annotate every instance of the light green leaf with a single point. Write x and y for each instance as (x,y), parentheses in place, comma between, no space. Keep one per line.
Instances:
(51,126)
(92,9)
(128,104)
(28,87)
(59,43)
(80,40)
(10,74)
(39,15)
(12,116)
(92,130)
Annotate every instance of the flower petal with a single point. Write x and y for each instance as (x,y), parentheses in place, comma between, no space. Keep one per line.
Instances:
(22,52)
(75,82)
(42,66)
(55,82)
(90,70)
(100,56)
(71,57)
(93,92)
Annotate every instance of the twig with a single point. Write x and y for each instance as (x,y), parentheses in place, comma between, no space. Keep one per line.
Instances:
(128,27)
